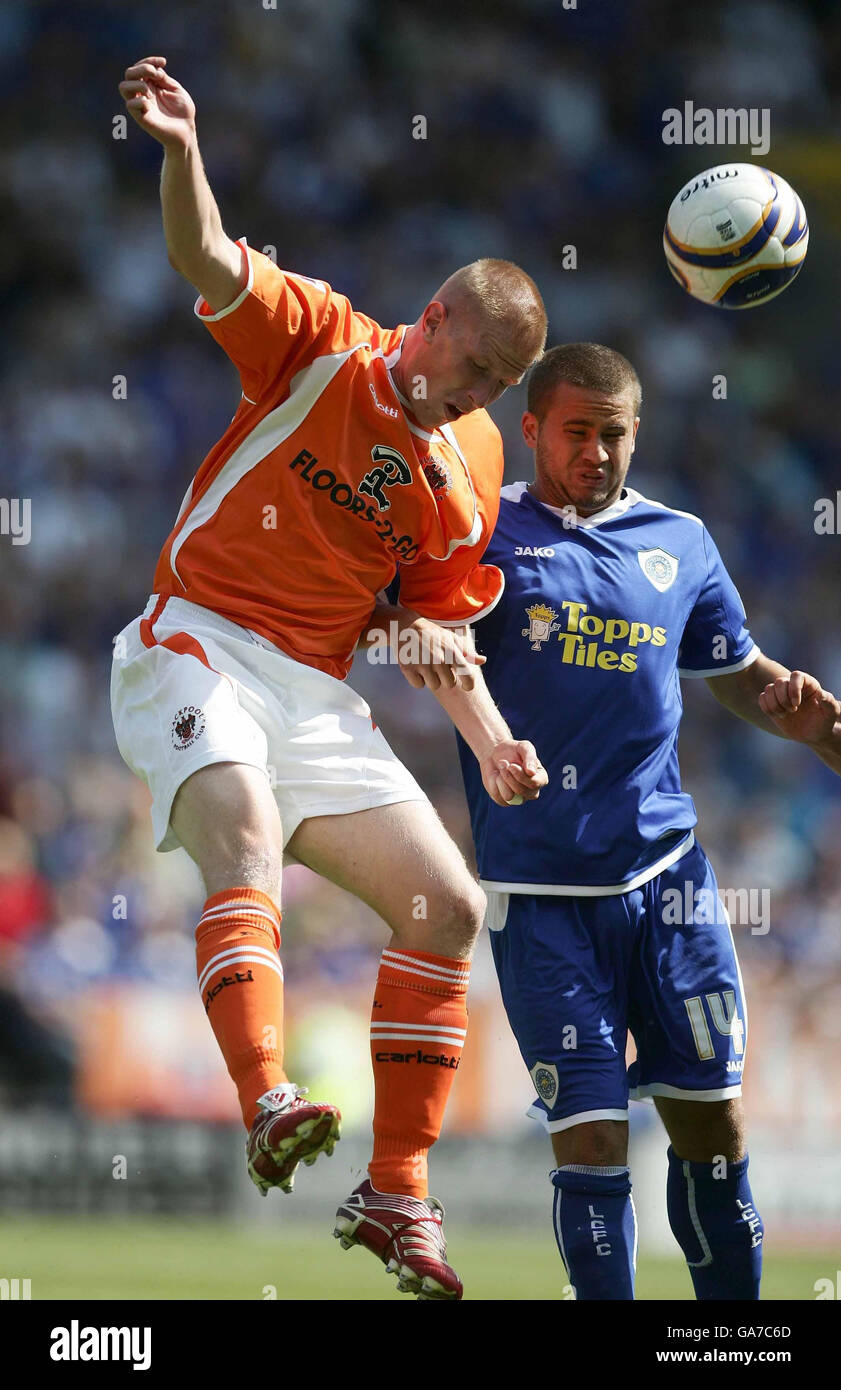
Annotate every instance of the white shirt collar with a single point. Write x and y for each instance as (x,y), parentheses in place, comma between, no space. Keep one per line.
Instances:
(628,498)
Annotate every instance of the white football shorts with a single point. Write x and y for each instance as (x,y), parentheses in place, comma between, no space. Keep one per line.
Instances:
(191,688)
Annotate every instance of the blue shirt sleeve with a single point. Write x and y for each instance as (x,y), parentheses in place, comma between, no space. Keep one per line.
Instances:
(715,639)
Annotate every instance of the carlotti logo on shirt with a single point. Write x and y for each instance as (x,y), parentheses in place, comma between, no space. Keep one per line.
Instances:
(614,640)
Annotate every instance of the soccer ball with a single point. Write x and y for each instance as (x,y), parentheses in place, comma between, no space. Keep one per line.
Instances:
(735,236)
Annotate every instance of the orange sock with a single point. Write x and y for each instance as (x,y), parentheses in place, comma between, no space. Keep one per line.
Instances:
(241,984)
(418,1026)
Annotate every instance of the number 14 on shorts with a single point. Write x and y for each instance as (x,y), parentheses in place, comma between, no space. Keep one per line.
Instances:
(725,1019)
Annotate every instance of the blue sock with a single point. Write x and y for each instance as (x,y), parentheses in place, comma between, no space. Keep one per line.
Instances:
(717,1227)
(596,1230)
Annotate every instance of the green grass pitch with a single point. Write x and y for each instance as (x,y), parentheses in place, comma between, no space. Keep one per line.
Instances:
(70,1258)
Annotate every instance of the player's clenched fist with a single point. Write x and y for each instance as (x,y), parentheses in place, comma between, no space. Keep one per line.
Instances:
(800,707)
(158,103)
(512,772)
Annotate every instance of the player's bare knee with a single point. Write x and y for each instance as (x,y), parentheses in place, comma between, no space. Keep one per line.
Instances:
(247,856)
(598,1144)
(459,920)
(447,922)
(704,1131)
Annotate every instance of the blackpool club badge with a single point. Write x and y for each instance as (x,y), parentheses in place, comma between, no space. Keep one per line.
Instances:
(187,726)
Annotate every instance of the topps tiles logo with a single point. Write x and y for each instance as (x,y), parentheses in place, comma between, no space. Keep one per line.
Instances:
(82,1343)
(722,125)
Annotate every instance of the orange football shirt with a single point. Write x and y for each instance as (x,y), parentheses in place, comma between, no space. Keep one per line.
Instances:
(322,485)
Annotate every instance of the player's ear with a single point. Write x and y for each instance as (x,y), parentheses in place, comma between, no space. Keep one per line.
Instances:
(530,427)
(634,435)
(433,318)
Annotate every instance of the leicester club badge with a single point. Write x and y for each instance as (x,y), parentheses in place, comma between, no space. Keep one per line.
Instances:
(545,1078)
(541,624)
(659,568)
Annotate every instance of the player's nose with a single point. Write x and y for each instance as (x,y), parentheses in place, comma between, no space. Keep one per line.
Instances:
(479,396)
(595,452)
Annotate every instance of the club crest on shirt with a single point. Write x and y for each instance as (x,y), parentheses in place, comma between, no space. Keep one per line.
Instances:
(659,567)
(188,725)
(541,624)
(545,1078)
(437,474)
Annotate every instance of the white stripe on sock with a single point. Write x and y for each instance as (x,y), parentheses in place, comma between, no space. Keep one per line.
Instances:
(415,1027)
(213,914)
(417,1038)
(246,959)
(556,1213)
(444,970)
(696,1222)
(426,974)
(224,959)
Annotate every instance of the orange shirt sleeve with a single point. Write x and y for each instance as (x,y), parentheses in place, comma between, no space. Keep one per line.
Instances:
(451,592)
(460,589)
(279,322)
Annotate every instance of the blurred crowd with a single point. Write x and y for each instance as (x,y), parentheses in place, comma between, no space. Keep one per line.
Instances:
(542,132)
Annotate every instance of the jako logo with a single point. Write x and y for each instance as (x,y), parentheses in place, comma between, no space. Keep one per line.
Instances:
(726,125)
(75,1343)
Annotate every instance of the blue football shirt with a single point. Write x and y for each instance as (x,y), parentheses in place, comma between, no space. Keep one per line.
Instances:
(599,619)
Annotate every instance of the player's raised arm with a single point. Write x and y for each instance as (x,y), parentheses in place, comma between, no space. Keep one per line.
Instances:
(196,242)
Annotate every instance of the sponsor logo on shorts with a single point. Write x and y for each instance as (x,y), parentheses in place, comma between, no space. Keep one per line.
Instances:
(545,1078)
(188,725)
(430,1059)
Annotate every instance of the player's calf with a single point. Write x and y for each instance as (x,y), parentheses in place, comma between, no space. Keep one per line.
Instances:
(711,1208)
(593,1212)
(596,1229)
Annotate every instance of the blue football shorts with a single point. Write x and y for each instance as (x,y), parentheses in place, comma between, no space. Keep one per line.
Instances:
(578,972)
